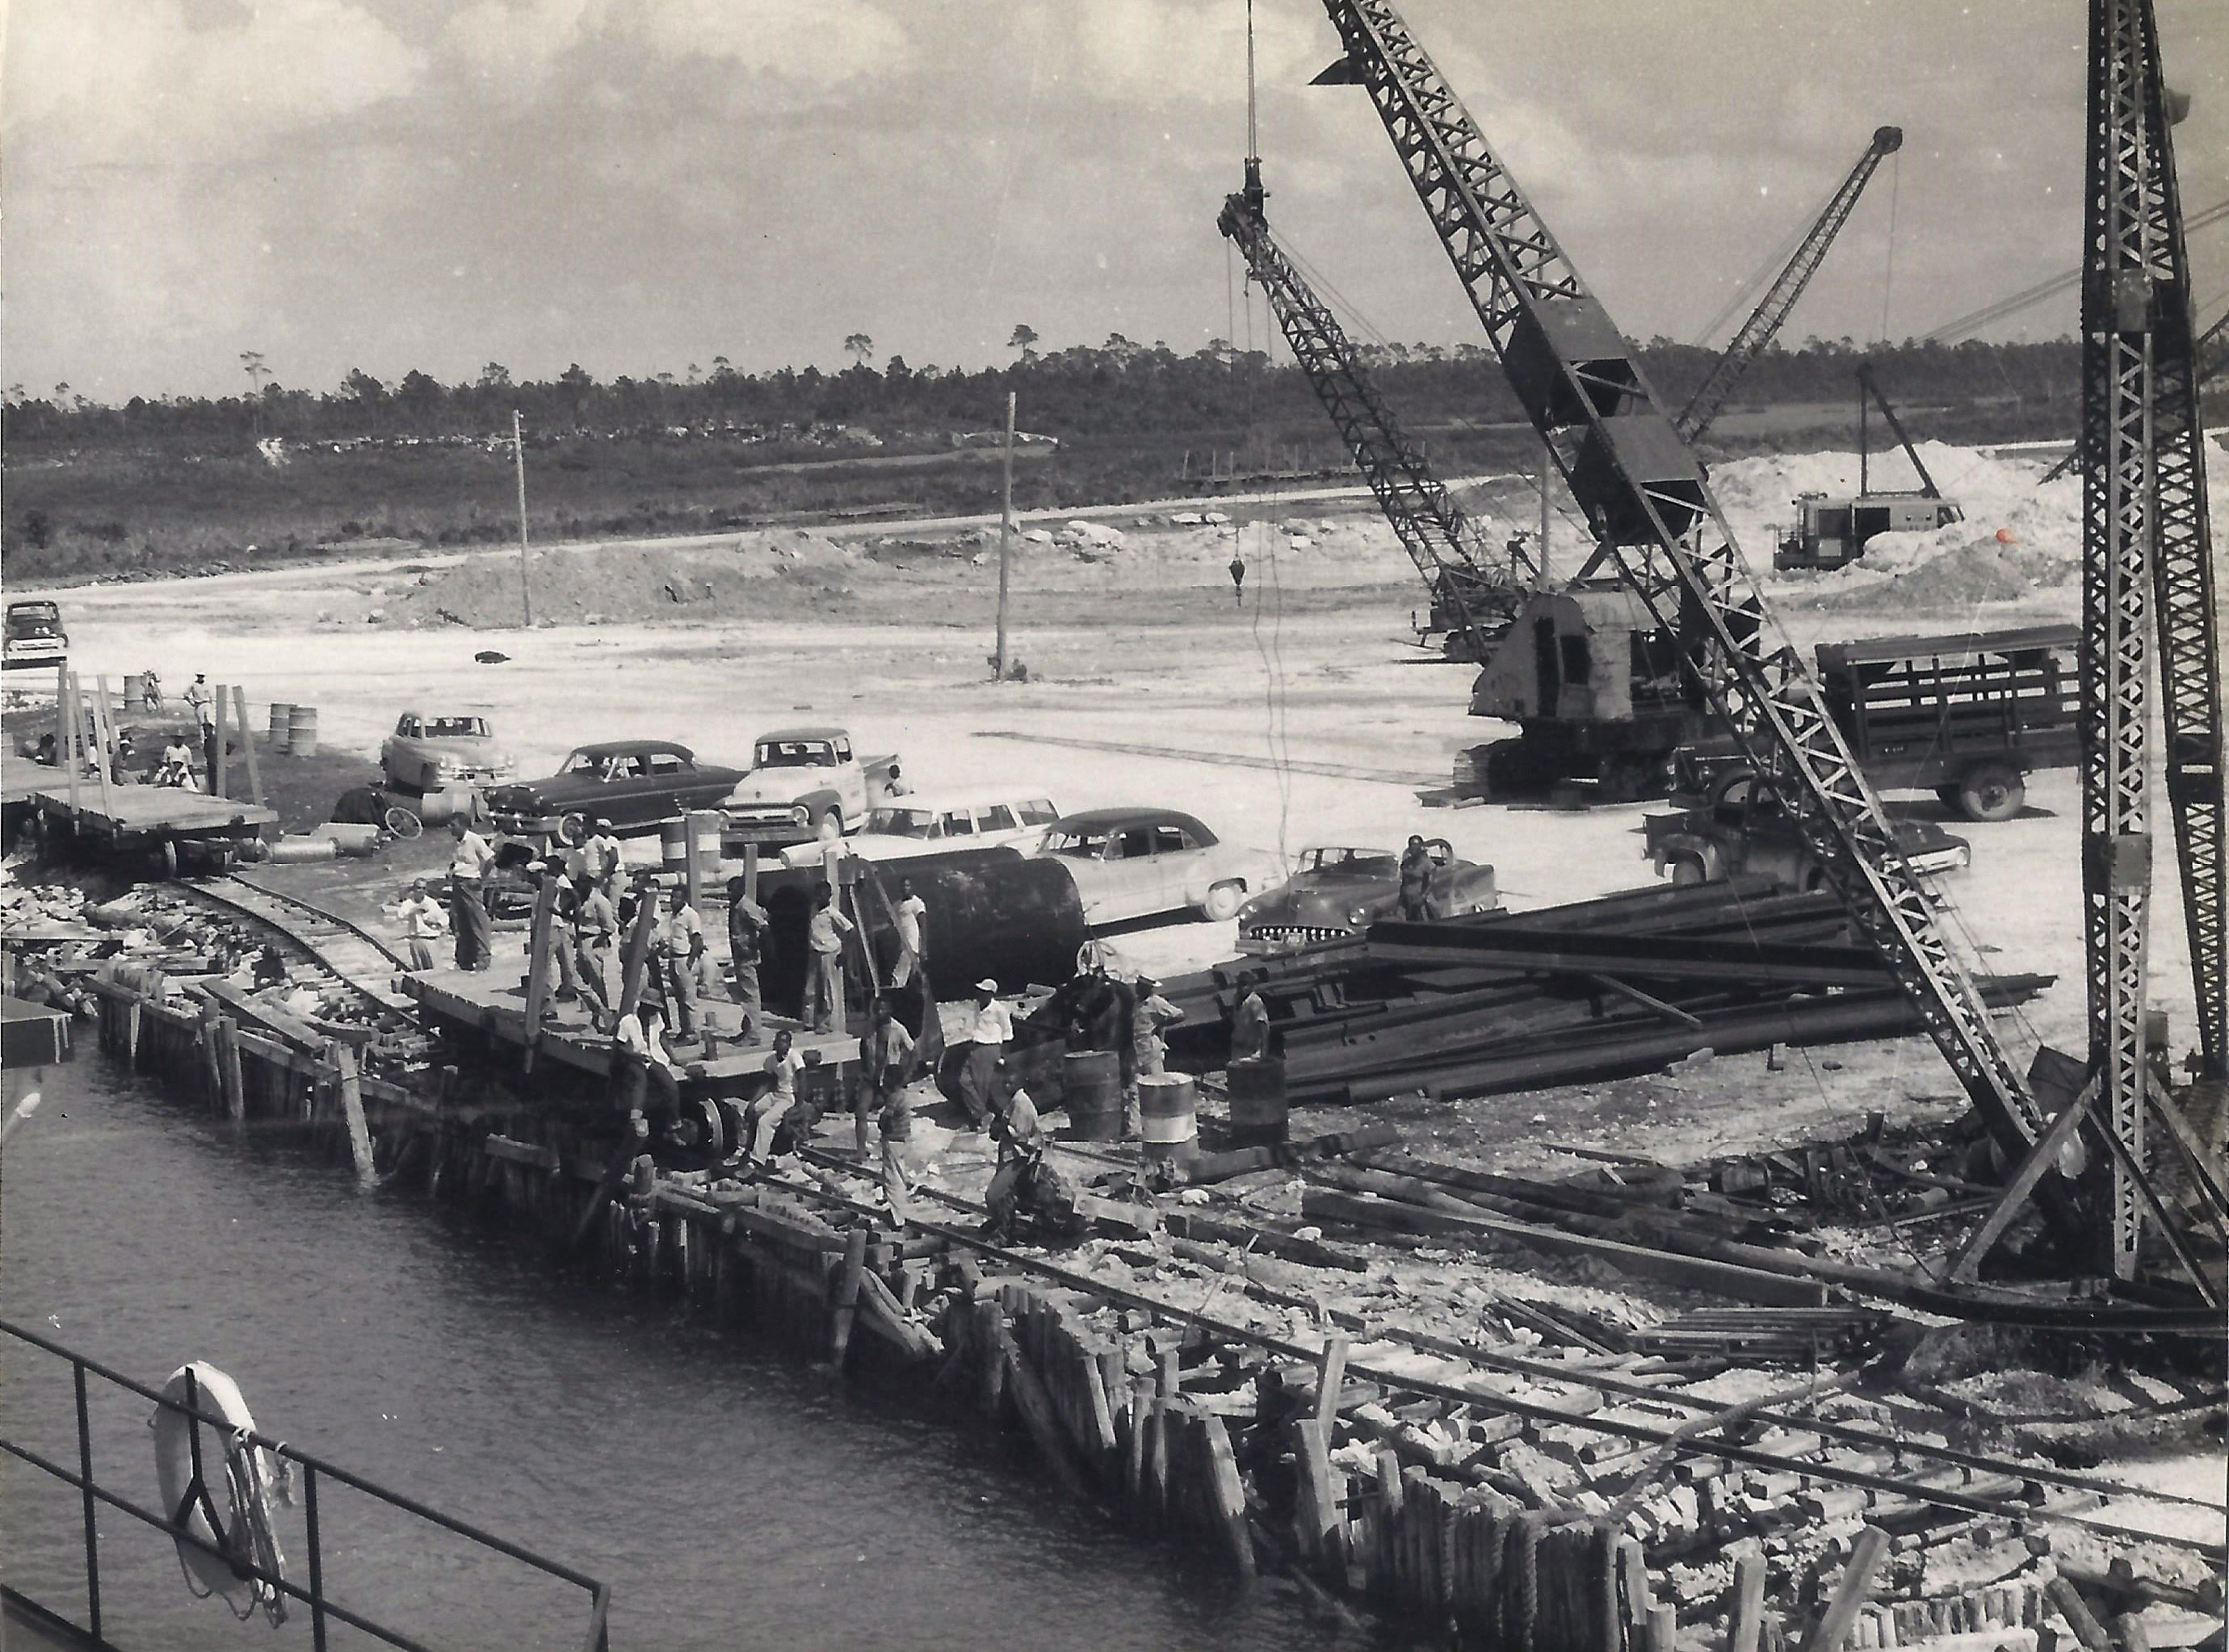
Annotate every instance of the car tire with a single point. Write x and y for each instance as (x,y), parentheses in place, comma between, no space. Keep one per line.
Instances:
(1947,796)
(1688,870)
(1992,792)
(829,825)
(572,830)
(1223,901)
(404,823)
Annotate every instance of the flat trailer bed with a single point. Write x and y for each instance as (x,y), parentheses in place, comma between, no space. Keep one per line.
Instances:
(125,817)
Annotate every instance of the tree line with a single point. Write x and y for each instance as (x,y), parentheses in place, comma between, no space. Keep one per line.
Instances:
(1116,389)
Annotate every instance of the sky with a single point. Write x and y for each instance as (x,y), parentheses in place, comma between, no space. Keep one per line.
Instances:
(643,185)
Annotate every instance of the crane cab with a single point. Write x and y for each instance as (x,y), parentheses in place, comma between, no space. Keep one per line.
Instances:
(1829,532)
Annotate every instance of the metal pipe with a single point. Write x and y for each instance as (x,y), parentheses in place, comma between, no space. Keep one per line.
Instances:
(92,1525)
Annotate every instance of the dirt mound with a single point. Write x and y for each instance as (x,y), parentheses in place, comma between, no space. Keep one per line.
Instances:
(1950,567)
(622,584)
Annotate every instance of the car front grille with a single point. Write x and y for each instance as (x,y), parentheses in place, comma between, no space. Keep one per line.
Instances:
(1295,934)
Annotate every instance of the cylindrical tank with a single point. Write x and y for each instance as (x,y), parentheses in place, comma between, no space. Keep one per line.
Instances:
(673,848)
(135,689)
(1168,1117)
(1258,1111)
(440,807)
(302,731)
(1091,1083)
(349,838)
(293,851)
(282,718)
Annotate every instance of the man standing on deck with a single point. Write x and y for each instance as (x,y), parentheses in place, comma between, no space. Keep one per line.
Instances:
(983,1035)
(885,1064)
(911,910)
(470,863)
(746,934)
(823,987)
(678,944)
(584,949)
(200,700)
(600,858)
(1416,881)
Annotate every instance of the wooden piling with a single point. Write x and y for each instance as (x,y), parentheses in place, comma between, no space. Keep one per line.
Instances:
(229,1076)
(1226,1493)
(1857,1578)
(247,747)
(350,1089)
(1744,1611)
(1038,1417)
(847,1295)
(1331,1378)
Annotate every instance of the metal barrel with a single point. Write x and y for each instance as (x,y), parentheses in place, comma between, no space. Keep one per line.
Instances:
(302,731)
(1168,1117)
(135,689)
(282,717)
(673,849)
(440,807)
(1091,1081)
(1258,1110)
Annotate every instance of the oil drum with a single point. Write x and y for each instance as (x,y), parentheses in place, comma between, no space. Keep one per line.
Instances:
(1258,1112)
(1168,1117)
(1091,1081)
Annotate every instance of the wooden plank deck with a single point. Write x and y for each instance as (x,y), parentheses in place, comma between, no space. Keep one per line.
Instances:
(158,811)
(494,1002)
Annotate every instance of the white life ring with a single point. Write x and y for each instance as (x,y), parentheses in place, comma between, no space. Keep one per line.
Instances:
(234,1488)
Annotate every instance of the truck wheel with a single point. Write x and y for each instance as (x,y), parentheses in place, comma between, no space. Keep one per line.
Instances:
(1223,902)
(1993,792)
(830,827)
(572,830)
(1947,796)
(1687,870)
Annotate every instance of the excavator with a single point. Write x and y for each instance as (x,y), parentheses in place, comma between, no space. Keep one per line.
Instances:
(1649,504)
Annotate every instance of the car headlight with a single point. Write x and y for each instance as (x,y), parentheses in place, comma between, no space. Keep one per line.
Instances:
(445,768)
(800,814)
(1358,916)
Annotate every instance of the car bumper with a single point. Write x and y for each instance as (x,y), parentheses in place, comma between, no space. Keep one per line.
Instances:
(767,828)
(38,650)
(1275,940)
(518,824)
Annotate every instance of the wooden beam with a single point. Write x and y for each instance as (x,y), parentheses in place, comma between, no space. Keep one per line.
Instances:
(1331,1378)
(1866,1552)
(70,747)
(342,1056)
(634,961)
(2037,1162)
(220,780)
(538,961)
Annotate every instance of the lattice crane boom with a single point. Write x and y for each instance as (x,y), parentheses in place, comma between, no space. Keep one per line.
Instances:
(1438,534)
(1642,491)
(2146,545)
(1771,312)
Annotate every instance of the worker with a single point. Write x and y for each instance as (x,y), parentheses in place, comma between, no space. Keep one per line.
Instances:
(1249,1027)
(423,923)
(983,1038)
(677,945)
(1024,1184)
(600,855)
(909,914)
(470,862)
(177,768)
(584,947)
(641,1060)
(1238,579)
(894,784)
(1416,881)
(746,936)
(885,1064)
(824,986)
(120,757)
(1149,1012)
(201,700)
(780,1096)
(150,691)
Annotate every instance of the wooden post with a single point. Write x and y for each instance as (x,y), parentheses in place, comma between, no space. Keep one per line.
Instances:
(990,1333)
(1866,1553)
(540,938)
(1006,532)
(247,745)
(101,738)
(343,1057)
(526,563)
(1227,1495)
(227,1059)
(1663,1629)
(72,740)
(1330,1379)
(847,1294)
(1744,1619)
(1039,1417)
(1320,1524)
(634,962)
(220,778)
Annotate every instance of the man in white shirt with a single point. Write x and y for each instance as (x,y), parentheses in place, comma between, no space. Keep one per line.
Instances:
(638,1057)
(679,943)
(770,1109)
(600,858)
(423,922)
(823,987)
(470,863)
(983,1035)
(911,910)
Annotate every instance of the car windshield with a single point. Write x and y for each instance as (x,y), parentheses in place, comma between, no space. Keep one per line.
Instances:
(1356,863)
(33,613)
(900,823)
(1080,845)
(579,763)
(454,728)
(796,754)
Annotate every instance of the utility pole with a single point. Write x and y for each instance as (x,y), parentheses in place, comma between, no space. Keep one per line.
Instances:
(525,565)
(1006,530)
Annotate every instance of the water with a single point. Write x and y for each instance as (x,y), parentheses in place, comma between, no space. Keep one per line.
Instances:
(732,1499)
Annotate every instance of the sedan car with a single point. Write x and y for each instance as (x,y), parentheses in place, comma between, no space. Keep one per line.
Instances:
(635,784)
(1142,863)
(426,753)
(1340,892)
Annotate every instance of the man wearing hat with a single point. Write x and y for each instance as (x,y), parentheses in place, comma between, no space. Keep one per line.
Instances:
(1148,1015)
(983,1036)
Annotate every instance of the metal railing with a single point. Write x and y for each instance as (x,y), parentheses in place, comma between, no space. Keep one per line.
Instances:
(313,1471)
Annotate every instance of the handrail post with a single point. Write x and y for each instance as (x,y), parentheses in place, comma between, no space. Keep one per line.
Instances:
(317,1557)
(91,1525)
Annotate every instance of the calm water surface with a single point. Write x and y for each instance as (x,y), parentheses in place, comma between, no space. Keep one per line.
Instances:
(733,1498)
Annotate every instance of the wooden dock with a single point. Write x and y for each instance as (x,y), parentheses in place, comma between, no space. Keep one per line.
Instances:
(116,815)
(493,1003)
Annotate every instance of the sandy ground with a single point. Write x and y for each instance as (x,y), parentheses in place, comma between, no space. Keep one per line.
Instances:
(1307,715)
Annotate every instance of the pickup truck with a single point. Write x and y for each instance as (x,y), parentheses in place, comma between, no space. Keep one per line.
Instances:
(804,783)
(34,634)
